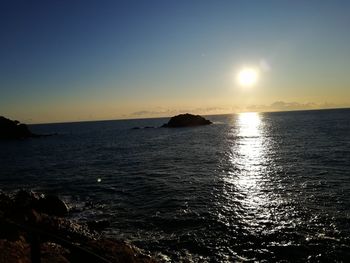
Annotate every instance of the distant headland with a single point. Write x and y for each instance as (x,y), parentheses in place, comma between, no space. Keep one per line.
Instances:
(13,129)
(10,129)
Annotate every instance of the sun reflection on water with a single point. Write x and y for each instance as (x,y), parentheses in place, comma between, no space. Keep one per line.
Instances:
(248,158)
(249,124)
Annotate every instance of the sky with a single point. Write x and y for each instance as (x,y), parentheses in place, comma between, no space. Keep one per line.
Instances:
(63,60)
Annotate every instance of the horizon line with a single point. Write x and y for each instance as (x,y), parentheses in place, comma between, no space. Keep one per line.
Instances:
(161,117)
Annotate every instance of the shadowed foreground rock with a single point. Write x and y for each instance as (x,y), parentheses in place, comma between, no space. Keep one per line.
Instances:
(186,120)
(29,234)
(14,129)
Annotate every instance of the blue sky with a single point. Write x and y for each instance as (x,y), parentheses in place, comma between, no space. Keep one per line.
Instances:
(82,60)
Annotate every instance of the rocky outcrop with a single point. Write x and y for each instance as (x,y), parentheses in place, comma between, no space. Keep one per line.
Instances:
(146,127)
(186,120)
(28,233)
(47,204)
(14,129)
(51,205)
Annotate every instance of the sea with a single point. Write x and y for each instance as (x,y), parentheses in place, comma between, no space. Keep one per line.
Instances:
(251,187)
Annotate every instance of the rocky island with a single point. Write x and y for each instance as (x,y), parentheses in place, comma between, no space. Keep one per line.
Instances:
(186,120)
(10,129)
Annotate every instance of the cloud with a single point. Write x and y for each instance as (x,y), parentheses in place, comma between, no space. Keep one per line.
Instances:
(151,113)
(292,105)
(286,106)
(171,112)
(275,106)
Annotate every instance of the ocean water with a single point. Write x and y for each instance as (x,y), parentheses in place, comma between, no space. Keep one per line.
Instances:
(250,187)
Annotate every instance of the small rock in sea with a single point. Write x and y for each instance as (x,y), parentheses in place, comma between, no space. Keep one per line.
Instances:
(186,120)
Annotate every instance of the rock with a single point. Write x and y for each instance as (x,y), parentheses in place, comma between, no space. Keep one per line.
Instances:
(98,225)
(186,120)
(6,202)
(139,128)
(52,238)
(25,200)
(14,251)
(51,205)
(54,253)
(117,251)
(14,130)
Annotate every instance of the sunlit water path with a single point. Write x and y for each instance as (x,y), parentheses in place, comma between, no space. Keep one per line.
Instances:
(251,187)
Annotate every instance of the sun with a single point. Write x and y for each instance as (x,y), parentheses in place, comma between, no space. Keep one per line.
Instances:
(247,77)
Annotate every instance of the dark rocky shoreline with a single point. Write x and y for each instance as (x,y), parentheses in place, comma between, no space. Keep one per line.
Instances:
(10,129)
(33,228)
(14,130)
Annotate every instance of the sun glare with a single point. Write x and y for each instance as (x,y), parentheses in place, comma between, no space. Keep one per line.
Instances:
(247,77)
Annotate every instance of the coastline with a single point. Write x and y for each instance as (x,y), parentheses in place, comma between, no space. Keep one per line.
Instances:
(33,232)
